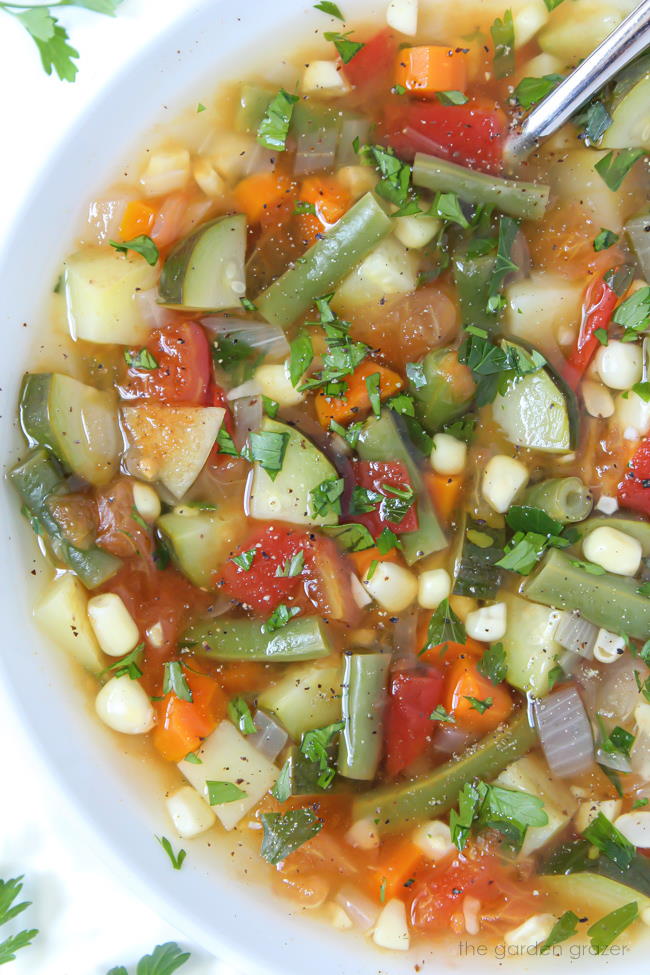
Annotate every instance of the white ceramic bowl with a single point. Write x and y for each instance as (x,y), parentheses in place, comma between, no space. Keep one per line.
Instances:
(117,796)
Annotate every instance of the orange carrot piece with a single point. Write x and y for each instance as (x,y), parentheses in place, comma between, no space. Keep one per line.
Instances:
(431,68)
(139,218)
(182,725)
(256,193)
(398,861)
(464,681)
(445,492)
(446,653)
(356,400)
(364,559)
(330,201)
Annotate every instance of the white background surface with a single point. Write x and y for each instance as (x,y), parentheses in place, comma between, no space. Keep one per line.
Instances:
(87,919)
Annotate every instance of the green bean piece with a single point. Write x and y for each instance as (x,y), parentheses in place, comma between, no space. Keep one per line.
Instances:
(566,499)
(321,268)
(473,278)
(382,440)
(364,698)
(395,807)
(607,600)
(303,638)
(39,479)
(519,199)
(447,390)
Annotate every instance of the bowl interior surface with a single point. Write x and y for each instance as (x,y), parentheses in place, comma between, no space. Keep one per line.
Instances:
(116,795)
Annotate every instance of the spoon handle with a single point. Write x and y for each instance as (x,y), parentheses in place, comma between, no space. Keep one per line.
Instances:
(615,52)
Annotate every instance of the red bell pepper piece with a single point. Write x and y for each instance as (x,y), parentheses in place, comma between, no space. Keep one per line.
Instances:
(634,489)
(468,135)
(373,62)
(409,728)
(601,298)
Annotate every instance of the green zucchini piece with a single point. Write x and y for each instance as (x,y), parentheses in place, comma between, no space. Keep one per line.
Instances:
(36,480)
(595,883)
(206,270)
(364,699)
(610,601)
(199,543)
(381,440)
(100,286)
(447,391)
(566,499)
(630,119)
(304,638)
(253,103)
(287,496)
(395,807)
(477,548)
(77,422)
(629,526)
(531,652)
(537,410)
(307,696)
(316,128)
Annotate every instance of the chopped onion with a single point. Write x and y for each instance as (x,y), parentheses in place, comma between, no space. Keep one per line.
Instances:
(451,740)
(359,594)
(269,340)
(247,390)
(270,738)
(248,417)
(617,694)
(104,218)
(316,148)
(153,313)
(404,634)
(359,908)
(565,732)
(259,160)
(577,634)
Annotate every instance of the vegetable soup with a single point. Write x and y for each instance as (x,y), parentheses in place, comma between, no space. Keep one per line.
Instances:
(343,473)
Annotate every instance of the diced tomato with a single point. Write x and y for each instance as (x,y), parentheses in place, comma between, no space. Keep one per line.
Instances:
(119,532)
(438,892)
(322,584)
(184,367)
(468,135)
(599,303)
(634,489)
(181,725)
(409,729)
(380,477)
(373,63)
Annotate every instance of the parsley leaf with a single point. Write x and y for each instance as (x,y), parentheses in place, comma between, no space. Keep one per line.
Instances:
(594,120)
(245,559)
(397,504)
(292,567)
(350,433)
(552,4)
(608,928)
(452,98)
(555,675)
(300,357)
(503,38)
(618,742)
(642,390)
(589,567)
(285,832)
(342,356)
(330,8)
(282,788)
(614,167)
(395,181)
(301,206)
(610,841)
(325,497)
(529,91)
(267,448)
(387,540)
(477,705)
(222,792)
(127,666)
(175,681)
(493,663)
(142,245)
(176,859)
(504,265)
(142,359)
(440,714)
(279,618)
(447,207)
(346,49)
(527,518)
(240,715)
(352,537)
(563,928)
(314,747)
(164,960)
(634,313)
(274,128)
(270,406)
(364,500)
(10,890)
(444,627)
(605,239)
(372,387)
(461,821)
(401,403)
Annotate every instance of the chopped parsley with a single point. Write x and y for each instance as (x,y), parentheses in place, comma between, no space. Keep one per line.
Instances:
(610,841)
(176,859)
(565,927)
(240,715)
(142,359)
(504,265)
(618,742)
(270,407)
(452,98)
(350,433)
(372,387)
(345,47)
(326,497)
(222,792)
(279,618)
(327,7)
(285,832)
(447,207)
(128,666)
(314,746)
(267,448)
(594,121)
(245,559)
(608,928)
(444,627)
(292,567)
(440,714)
(614,167)
(300,356)
(226,444)
(634,313)
(142,245)
(274,128)
(282,788)
(396,503)
(508,811)
(10,890)
(605,239)
(529,91)
(589,567)
(493,663)
(301,206)
(352,537)
(477,705)
(503,38)
(175,682)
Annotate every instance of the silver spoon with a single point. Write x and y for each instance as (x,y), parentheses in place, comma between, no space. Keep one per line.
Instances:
(615,52)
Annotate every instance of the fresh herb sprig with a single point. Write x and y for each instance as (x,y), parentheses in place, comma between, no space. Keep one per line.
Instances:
(163,960)
(10,890)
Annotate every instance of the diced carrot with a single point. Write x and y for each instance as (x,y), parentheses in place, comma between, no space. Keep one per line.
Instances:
(182,725)
(364,559)
(329,199)
(356,400)
(240,676)
(256,193)
(446,653)
(465,687)
(398,861)
(432,68)
(139,218)
(445,492)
